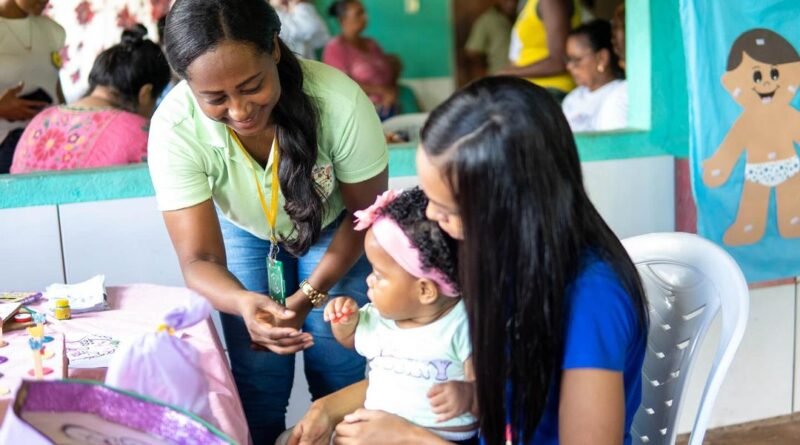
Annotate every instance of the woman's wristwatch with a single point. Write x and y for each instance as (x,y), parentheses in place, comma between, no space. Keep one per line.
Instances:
(316,297)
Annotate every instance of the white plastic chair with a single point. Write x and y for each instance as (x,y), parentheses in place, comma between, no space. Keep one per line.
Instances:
(409,123)
(687,280)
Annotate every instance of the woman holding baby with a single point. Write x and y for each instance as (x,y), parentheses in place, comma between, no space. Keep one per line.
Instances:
(556,310)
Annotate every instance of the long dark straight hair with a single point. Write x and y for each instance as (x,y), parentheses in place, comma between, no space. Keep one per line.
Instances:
(196,26)
(510,158)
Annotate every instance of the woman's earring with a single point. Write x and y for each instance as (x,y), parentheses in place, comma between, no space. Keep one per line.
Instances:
(601,68)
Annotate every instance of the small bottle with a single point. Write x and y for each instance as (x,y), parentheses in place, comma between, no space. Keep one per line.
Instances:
(62,311)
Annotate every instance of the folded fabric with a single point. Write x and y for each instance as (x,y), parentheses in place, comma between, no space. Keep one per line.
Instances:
(87,296)
(163,366)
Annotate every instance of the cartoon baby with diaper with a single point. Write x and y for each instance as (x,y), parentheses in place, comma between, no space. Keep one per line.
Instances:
(763,75)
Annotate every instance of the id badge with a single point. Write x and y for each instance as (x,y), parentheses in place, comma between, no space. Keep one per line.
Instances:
(277,285)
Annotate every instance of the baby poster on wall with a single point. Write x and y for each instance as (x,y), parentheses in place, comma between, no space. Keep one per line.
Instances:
(743,72)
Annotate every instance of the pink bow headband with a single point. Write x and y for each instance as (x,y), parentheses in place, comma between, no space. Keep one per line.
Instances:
(395,242)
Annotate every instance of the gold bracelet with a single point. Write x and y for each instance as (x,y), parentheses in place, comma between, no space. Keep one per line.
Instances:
(316,297)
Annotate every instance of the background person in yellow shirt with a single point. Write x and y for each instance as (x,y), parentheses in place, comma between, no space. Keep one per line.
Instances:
(247,106)
(538,44)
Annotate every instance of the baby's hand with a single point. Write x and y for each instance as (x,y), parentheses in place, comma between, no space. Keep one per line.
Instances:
(451,399)
(340,310)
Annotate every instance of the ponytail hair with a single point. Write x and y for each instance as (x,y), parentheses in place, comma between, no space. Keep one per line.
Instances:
(128,66)
(297,118)
(133,35)
(255,23)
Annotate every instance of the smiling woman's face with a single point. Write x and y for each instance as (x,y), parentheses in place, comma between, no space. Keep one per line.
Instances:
(236,85)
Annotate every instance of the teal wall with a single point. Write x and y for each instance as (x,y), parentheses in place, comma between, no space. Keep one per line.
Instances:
(669,92)
(71,186)
(657,84)
(423,41)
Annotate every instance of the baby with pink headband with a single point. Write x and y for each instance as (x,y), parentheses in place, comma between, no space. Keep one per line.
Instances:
(414,332)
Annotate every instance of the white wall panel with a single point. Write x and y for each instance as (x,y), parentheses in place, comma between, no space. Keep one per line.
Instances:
(30,248)
(124,239)
(634,196)
(759,384)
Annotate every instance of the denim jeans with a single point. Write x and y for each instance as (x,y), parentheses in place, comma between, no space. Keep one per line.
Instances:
(264,379)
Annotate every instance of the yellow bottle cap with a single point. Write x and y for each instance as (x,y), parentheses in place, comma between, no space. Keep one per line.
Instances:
(62,302)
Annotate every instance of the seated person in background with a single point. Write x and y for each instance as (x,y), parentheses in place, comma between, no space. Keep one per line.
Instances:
(490,37)
(302,29)
(538,42)
(362,58)
(600,102)
(414,332)
(109,125)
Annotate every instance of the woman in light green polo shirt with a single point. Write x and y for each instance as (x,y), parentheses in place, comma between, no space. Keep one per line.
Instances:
(258,161)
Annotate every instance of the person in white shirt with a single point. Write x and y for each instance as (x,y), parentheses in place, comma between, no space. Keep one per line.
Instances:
(302,28)
(600,102)
(29,63)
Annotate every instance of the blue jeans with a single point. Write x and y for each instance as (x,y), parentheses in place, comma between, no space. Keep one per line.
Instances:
(264,379)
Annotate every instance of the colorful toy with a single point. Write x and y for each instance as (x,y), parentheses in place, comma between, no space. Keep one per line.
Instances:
(36,346)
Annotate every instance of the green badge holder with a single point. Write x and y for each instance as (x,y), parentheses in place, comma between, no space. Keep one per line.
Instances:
(277,285)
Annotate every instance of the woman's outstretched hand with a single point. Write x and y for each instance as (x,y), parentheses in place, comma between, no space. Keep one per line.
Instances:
(263,317)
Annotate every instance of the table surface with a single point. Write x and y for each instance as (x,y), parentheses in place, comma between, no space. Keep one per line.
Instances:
(139,309)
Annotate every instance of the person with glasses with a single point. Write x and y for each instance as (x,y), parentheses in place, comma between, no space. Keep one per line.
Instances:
(600,102)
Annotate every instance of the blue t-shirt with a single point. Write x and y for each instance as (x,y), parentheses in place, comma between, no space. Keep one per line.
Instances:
(602,332)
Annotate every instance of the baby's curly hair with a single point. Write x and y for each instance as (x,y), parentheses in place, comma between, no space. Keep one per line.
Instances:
(437,249)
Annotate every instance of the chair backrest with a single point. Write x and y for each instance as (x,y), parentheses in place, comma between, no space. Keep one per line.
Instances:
(688,280)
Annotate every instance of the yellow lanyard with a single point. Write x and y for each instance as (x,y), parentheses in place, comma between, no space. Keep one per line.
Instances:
(272,213)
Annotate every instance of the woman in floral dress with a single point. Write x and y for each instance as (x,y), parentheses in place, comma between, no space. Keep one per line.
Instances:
(109,125)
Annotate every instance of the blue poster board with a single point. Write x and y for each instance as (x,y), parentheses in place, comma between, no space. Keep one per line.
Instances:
(743,74)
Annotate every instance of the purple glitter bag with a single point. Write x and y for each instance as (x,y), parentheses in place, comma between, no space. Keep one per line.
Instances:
(83,412)
(162,366)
